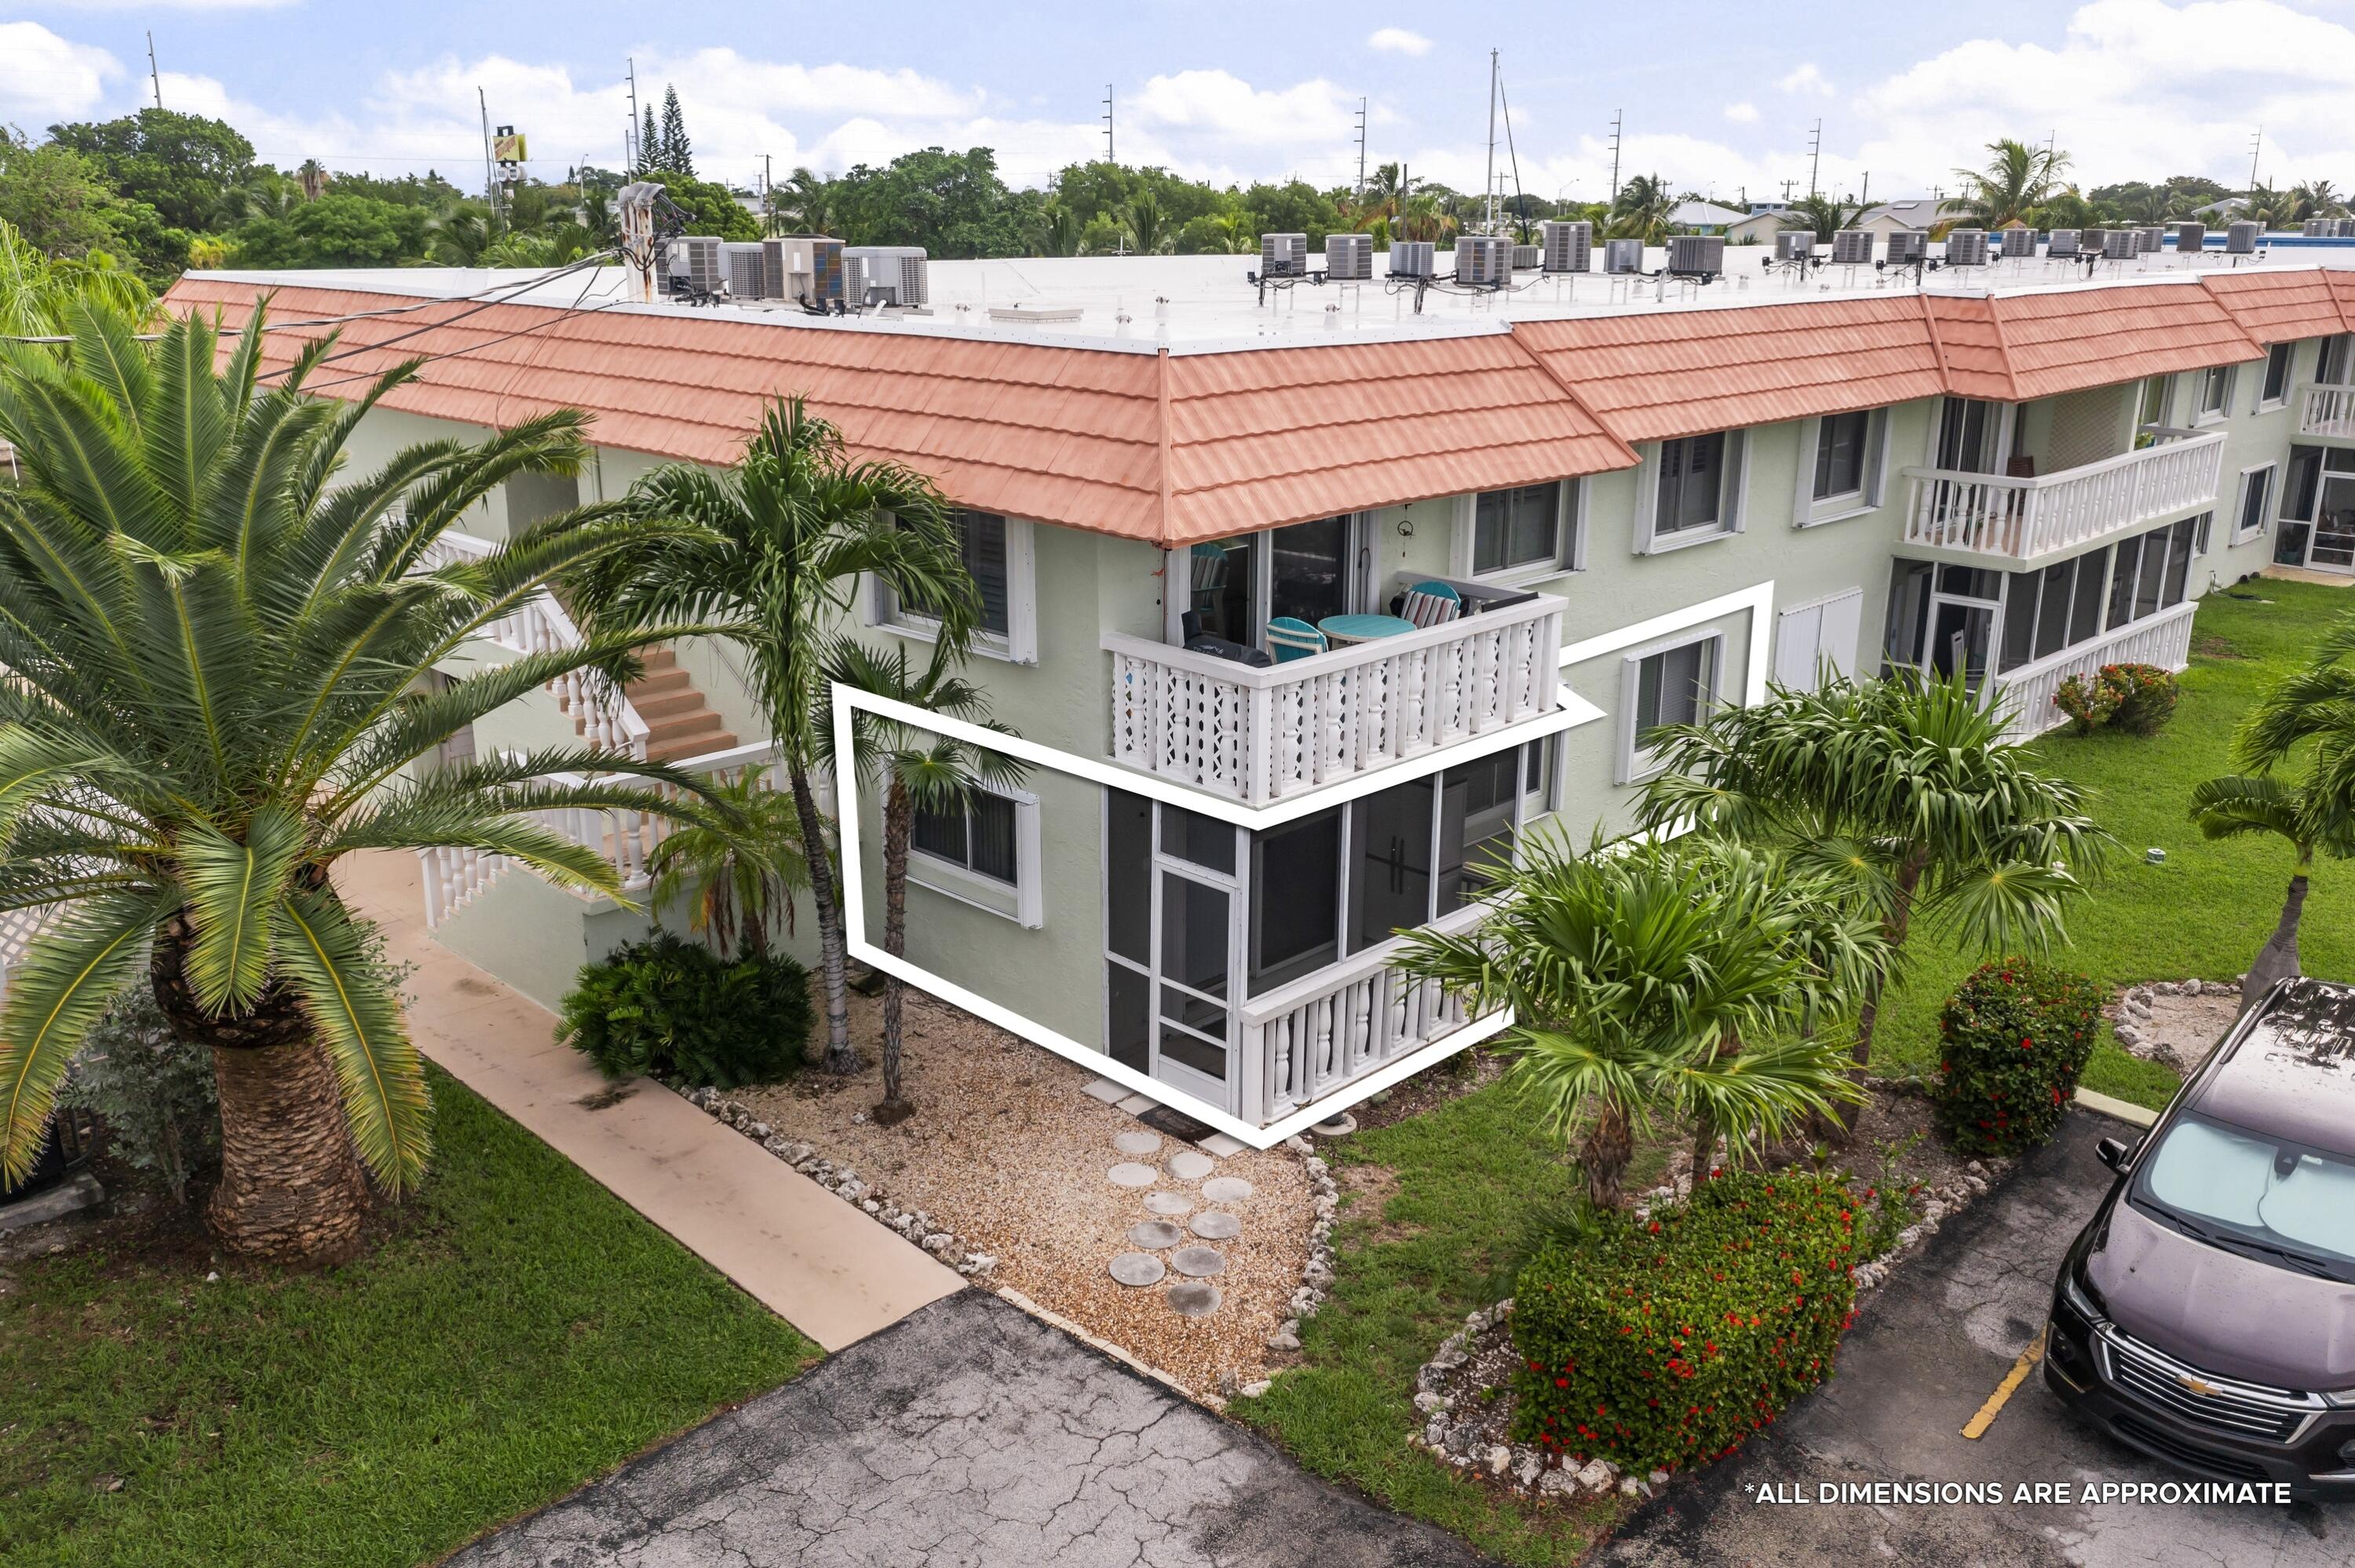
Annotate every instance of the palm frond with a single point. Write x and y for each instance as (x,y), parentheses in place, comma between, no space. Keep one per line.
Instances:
(65,981)
(358,1018)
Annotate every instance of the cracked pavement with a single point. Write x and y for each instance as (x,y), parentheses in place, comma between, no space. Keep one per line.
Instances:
(969,1434)
(1923,1357)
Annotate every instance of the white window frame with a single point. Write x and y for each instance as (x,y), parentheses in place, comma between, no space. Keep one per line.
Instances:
(2268,474)
(2289,377)
(1807,509)
(1732,509)
(1025,902)
(1635,766)
(2201,413)
(1018,645)
(1569,540)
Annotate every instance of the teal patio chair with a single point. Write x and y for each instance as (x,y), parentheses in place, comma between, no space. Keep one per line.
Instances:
(1290,637)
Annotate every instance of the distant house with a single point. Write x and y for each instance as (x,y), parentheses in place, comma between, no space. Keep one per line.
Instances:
(1758,228)
(1703,216)
(2223,210)
(1923,213)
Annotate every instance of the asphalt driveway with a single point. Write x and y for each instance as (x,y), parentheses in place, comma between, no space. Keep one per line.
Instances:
(966,1436)
(1920,1360)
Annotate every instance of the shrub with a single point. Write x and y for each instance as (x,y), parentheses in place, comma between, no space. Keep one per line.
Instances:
(1663,1343)
(675,1008)
(2013,1039)
(2136,698)
(153,1090)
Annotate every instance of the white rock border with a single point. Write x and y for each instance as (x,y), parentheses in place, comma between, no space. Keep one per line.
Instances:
(1317,1274)
(844,1183)
(2130,1014)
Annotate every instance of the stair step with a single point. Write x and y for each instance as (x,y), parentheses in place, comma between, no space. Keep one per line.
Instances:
(696,744)
(701,721)
(654,659)
(666,681)
(667,705)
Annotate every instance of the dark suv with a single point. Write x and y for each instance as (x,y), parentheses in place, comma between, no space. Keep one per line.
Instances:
(2206,1315)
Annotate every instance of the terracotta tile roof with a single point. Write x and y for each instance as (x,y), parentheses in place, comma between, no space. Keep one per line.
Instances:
(1666,373)
(2279,306)
(2042,344)
(1087,437)
(1969,346)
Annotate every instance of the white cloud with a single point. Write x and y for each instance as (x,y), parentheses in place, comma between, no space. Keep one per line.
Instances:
(1399,42)
(1744,114)
(1806,80)
(1308,122)
(45,78)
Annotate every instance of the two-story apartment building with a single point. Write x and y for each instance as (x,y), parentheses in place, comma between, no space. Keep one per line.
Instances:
(1524,526)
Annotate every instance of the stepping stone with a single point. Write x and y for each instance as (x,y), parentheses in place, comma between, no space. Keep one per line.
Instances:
(1219,1144)
(1170,1204)
(1128,1174)
(1226,1189)
(1135,1269)
(1155,1235)
(1134,1104)
(1139,1144)
(1191,1165)
(1216,1225)
(1198,1261)
(1105,1089)
(1193,1298)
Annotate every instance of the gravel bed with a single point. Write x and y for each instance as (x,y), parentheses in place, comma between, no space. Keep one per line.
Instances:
(1006,1152)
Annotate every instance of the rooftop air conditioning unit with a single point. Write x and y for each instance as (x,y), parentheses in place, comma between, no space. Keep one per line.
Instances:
(2012,244)
(1696,255)
(2150,239)
(1622,255)
(744,266)
(1284,255)
(1967,247)
(1413,259)
(1527,257)
(1852,247)
(1483,261)
(2064,244)
(2318,228)
(1907,247)
(1566,247)
(1794,244)
(1349,257)
(695,260)
(2240,238)
(2190,238)
(2120,244)
(884,274)
(2345,229)
(801,267)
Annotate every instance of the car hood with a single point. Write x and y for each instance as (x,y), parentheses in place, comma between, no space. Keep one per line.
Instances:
(2223,1313)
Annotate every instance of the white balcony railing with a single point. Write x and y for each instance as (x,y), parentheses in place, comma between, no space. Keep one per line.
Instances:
(2021,519)
(2326,410)
(2164,639)
(1264,735)
(539,625)
(1325,1030)
(453,877)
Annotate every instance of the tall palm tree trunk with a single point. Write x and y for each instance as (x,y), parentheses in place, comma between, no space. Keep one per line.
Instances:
(832,956)
(1901,916)
(899,828)
(1609,1145)
(2278,960)
(291,1188)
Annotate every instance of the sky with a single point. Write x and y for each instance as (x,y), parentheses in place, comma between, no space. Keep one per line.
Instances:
(1722,98)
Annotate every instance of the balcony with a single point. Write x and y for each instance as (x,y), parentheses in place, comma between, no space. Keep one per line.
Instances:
(2021,520)
(2327,412)
(1260,735)
(2164,639)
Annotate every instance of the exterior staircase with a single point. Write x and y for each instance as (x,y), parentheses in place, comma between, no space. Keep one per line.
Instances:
(679,724)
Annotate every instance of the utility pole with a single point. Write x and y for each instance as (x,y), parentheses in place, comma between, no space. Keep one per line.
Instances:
(1864,194)
(1361,149)
(1616,116)
(1110,156)
(490,187)
(1488,185)
(1814,155)
(1787,191)
(154,76)
(637,152)
(768,196)
(2257,145)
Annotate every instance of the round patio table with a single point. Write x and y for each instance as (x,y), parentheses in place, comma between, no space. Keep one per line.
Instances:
(1341,630)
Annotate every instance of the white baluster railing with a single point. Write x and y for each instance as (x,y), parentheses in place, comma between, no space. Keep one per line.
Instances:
(539,625)
(2328,410)
(17,929)
(453,877)
(1327,1028)
(1262,735)
(2021,519)
(2164,639)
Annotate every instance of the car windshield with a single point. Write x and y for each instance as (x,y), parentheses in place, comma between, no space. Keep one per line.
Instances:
(2284,1203)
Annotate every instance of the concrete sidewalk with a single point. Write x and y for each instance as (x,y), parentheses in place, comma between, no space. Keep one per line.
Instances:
(802,1253)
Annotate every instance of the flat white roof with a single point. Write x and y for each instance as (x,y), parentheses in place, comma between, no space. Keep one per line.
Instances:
(1202,304)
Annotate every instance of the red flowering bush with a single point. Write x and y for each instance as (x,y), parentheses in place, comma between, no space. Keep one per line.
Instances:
(1664,1343)
(2136,698)
(2012,1041)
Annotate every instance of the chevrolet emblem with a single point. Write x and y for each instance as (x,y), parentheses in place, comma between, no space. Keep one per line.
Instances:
(2197,1385)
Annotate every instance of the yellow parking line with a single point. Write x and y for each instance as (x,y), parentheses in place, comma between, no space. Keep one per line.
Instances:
(1976,1427)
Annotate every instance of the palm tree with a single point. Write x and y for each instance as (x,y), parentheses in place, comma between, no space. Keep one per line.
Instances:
(37,293)
(1641,210)
(1057,232)
(1425,215)
(217,649)
(740,874)
(1149,226)
(1907,788)
(2318,199)
(459,236)
(2238,804)
(2014,184)
(921,772)
(807,202)
(1826,215)
(771,556)
(1686,977)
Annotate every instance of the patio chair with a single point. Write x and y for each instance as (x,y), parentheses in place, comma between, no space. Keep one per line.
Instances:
(1290,637)
(1432,604)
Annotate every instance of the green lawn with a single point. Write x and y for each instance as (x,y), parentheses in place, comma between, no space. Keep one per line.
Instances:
(520,1332)
(1468,1172)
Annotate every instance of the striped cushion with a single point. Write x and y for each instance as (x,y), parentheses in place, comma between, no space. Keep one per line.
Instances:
(1430,608)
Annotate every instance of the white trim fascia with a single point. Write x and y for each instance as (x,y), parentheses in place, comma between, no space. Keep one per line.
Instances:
(1757,599)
